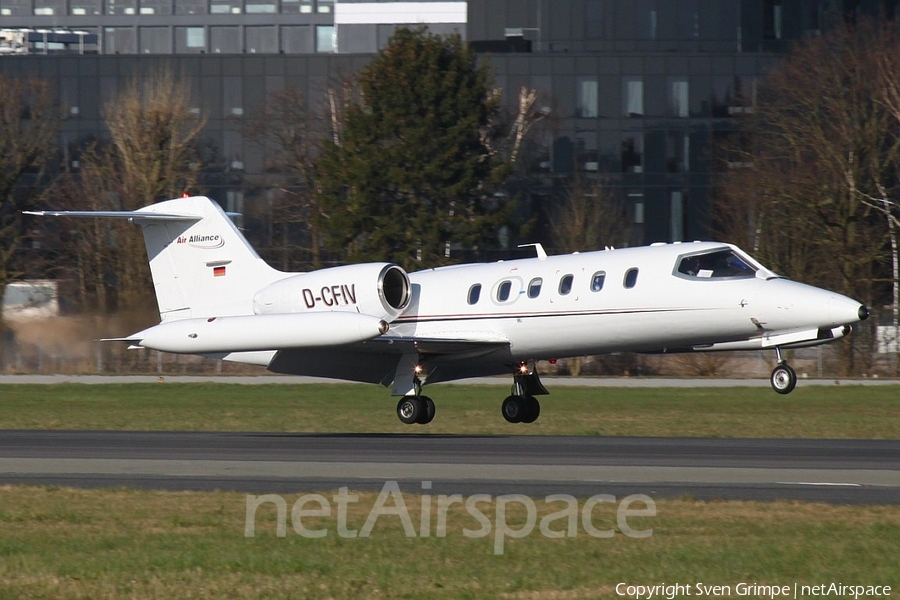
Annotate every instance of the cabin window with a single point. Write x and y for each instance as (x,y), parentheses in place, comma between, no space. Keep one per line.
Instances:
(534,288)
(598,280)
(503,291)
(474,293)
(718,264)
(630,278)
(565,285)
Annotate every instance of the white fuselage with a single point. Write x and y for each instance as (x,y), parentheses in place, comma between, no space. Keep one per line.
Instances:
(375,323)
(662,310)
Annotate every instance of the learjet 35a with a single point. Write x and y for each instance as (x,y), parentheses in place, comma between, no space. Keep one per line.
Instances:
(376,323)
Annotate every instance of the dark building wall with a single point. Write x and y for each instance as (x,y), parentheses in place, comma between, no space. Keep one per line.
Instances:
(639,89)
(636,91)
(652,157)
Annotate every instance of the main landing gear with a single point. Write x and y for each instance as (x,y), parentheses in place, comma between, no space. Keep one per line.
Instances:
(522,406)
(519,407)
(416,409)
(784,378)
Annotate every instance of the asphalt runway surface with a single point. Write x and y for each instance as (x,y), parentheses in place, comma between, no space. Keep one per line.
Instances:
(834,471)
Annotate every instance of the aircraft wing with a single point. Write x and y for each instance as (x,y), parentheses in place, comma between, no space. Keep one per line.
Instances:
(459,344)
(376,360)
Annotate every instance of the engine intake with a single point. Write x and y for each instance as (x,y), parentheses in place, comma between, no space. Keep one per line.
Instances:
(393,286)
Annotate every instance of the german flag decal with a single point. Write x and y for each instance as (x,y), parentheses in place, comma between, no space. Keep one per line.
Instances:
(218,271)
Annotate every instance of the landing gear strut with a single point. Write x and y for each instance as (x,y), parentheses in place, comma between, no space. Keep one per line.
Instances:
(522,406)
(784,378)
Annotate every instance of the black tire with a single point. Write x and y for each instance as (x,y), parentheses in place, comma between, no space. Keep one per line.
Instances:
(783,379)
(427,410)
(409,409)
(514,408)
(533,409)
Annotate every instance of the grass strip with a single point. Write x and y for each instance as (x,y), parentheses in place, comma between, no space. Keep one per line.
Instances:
(106,544)
(810,412)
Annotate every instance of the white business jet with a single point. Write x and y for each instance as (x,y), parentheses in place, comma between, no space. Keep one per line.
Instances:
(375,323)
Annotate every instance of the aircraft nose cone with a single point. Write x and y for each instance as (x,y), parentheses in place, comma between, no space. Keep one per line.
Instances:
(844,311)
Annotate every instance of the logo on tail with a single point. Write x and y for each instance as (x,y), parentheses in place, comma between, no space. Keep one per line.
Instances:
(204,242)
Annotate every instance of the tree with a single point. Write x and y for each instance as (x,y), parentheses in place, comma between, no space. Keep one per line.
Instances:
(589,217)
(29,120)
(282,127)
(416,157)
(150,157)
(820,145)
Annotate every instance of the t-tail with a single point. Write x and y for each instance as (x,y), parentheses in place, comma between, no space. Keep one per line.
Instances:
(202,266)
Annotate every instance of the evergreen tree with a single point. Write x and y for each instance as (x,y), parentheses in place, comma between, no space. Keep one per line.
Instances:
(410,169)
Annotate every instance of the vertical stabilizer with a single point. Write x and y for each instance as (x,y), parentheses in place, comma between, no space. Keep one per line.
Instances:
(202,266)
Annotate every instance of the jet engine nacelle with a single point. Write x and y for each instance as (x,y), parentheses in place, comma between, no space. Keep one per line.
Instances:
(378,289)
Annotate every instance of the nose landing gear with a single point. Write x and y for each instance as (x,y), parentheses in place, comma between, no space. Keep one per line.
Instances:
(783,378)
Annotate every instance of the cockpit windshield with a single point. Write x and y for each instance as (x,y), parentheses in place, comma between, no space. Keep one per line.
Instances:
(715,264)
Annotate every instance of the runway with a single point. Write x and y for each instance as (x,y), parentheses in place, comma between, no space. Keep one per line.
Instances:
(836,471)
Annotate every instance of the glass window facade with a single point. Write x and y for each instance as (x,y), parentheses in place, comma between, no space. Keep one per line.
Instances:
(588,98)
(633,96)
(191,7)
(155,40)
(296,39)
(49,8)
(121,7)
(678,97)
(325,38)
(261,40)
(155,7)
(620,78)
(225,40)
(86,7)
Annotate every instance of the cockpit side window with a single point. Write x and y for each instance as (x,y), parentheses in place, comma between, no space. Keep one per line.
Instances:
(718,264)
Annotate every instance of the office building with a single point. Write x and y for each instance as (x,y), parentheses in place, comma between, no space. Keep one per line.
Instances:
(638,90)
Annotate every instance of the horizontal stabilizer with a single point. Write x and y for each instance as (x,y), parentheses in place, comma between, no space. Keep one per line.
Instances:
(142,215)
(201,264)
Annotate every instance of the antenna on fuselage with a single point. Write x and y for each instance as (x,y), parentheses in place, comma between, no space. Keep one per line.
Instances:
(538,248)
